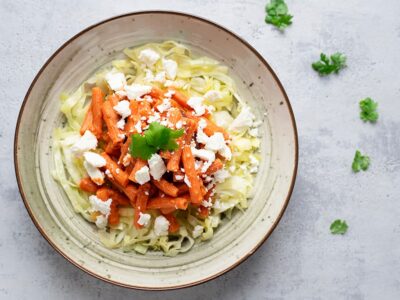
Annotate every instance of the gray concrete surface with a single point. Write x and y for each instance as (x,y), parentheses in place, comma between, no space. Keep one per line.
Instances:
(301,260)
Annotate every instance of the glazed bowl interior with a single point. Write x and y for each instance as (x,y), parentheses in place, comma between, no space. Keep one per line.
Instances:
(75,238)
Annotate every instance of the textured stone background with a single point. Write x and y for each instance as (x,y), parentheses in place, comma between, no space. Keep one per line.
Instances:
(301,260)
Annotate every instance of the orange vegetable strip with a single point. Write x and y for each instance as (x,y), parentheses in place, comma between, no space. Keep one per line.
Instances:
(181,98)
(124,150)
(112,148)
(97,115)
(145,109)
(165,154)
(168,202)
(203,212)
(131,192)
(166,211)
(215,166)
(173,223)
(175,116)
(166,187)
(133,118)
(111,118)
(212,128)
(87,185)
(87,121)
(157,93)
(138,165)
(188,164)
(141,203)
(173,162)
(118,174)
(113,218)
(191,127)
(105,193)
(182,189)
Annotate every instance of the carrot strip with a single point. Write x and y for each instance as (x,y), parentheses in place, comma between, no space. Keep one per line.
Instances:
(181,98)
(145,109)
(97,115)
(215,166)
(131,192)
(175,116)
(105,193)
(165,154)
(182,189)
(118,174)
(191,127)
(112,149)
(188,164)
(212,128)
(173,223)
(133,118)
(168,202)
(173,162)
(141,203)
(166,211)
(203,212)
(113,218)
(124,151)
(166,187)
(87,185)
(138,165)
(87,121)
(111,118)
(156,93)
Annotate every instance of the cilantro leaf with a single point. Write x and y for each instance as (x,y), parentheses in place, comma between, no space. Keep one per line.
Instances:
(339,227)
(368,110)
(326,66)
(140,148)
(157,137)
(360,162)
(277,14)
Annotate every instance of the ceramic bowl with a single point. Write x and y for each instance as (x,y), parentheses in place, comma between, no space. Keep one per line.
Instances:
(73,237)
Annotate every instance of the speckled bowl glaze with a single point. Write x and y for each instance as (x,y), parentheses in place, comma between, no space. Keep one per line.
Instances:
(76,239)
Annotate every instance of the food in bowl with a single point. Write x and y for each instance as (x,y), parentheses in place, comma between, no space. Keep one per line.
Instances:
(157,149)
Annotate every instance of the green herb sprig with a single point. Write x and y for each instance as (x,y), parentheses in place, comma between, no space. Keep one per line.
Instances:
(339,227)
(157,137)
(277,14)
(360,162)
(326,65)
(368,111)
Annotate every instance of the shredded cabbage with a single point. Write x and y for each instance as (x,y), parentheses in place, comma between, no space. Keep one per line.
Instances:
(197,76)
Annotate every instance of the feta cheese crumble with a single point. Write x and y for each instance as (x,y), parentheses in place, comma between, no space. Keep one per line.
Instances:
(243,121)
(142,175)
(136,91)
(197,104)
(148,57)
(144,219)
(197,231)
(122,108)
(96,160)
(161,225)
(86,142)
(157,166)
(171,67)
(116,80)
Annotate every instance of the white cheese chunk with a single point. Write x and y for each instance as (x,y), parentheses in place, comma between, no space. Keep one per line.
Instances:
(243,121)
(94,173)
(161,225)
(86,142)
(138,127)
(160,77)
(197,104)
(116,80)
(96,160)
(101,222)
(123,109)
(212,95)
(149,57)
(144,219)
(206,155)
(121,124)
(171,67)
(216,142)
(136,91)
(157,166)
(197,231)
(103,207)
(164,106)
(142,175)
(187,181)
(222,118)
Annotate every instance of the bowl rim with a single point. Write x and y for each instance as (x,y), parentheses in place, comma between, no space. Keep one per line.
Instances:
(179,286)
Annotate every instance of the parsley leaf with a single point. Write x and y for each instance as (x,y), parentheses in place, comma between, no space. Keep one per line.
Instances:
(368,110)
(326,66)
(277,14)
(339,227)
(157,137)
(360,162)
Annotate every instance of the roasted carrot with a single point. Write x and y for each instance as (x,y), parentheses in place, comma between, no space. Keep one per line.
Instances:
(123,160)
(97,115)
(87,185)
(212,128)
(188,164)
(168,202)
(105,193)
(182,189)
(118,174)
(215,166)
(156,93)
(133,118)
(166,187)
(111,119)
(173,223)
(131,192)
(175,116)
(145,109)
(138,165)
(113,218)
(141,203)
(165,154)
(181,98)
(166,211)
(87,121)
(173,162)
(112,148)
(191,127)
